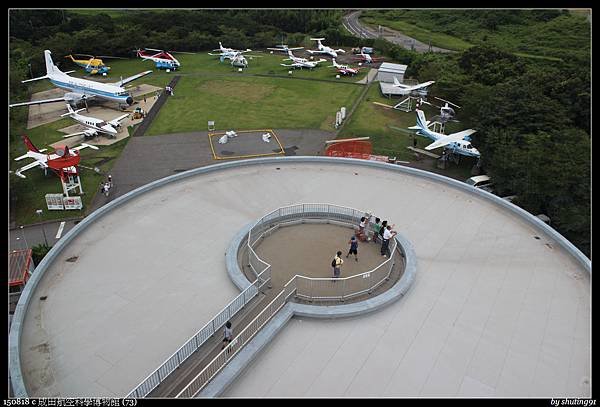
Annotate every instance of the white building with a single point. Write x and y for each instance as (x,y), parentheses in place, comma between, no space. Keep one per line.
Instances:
(387,71)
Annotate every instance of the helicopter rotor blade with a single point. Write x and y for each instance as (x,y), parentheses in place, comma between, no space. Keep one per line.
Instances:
(447,102)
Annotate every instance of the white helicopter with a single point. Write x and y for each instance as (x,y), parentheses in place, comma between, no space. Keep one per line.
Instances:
(301,62)
(81,90)
(94,126)
(447,113)
(325,49)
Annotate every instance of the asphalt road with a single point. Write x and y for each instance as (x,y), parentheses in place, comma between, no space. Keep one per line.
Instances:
(356,28)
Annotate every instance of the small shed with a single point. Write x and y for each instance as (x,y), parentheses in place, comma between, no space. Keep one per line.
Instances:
(387,71)
(20,269)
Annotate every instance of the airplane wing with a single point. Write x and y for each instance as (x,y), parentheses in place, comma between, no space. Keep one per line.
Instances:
(132,78)
(86,132)
(29,154)
(84,145)
(38,102)
(289,64)
(316,51)
(116,122)
(451,138)
(398,84)
(28,167)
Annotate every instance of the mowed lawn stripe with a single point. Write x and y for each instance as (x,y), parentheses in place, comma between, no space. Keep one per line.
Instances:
(252,103)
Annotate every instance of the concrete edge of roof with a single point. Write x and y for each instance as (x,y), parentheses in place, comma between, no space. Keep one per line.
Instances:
(24,302)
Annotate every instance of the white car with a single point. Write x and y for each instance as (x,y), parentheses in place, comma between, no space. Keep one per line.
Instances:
(482,182)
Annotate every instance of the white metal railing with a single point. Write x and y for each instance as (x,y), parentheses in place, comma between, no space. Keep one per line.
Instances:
(322,289)
(174,361)
(245,336)
(341,289)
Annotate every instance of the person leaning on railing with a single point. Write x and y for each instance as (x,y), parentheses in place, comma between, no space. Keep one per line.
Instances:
(388,233)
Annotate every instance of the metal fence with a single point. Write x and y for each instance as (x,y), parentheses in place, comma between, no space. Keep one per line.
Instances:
(341,289)
(196,341)
(245,336)
(302,287)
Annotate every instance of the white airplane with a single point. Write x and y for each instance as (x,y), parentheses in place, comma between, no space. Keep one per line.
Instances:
(94,126)
(284,48)
(227,53)
(344,69)
(324,49)
(406,89)
(301,62)
(458,143)
(63,158)
(366,58)
(82,89)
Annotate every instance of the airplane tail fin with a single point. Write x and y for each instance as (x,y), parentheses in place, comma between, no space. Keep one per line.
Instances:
(30,145)
(70,111)
(421,121)
(50,67)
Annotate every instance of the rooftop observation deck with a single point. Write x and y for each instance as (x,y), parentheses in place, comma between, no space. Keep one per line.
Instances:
(498,307)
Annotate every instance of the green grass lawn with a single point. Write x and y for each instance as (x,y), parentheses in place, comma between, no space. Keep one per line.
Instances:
(251,102)
(389,133)
(30,192)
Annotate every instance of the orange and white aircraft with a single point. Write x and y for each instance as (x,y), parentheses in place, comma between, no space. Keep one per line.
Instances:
(63,158)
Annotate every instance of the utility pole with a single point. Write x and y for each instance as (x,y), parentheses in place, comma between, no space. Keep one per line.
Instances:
(39,212)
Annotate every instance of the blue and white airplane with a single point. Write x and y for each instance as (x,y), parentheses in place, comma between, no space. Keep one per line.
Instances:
(82,89)
(458,143)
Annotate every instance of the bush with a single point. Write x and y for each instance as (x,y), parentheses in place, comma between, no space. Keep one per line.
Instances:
(39,252)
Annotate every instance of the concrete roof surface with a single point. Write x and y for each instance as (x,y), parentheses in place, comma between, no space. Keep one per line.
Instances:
(494,311)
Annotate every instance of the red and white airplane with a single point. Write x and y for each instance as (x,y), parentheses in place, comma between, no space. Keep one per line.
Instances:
(162,59)
(344,69)
(63,158)
(366,58)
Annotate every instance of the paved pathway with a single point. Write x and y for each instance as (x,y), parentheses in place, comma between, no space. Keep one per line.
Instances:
(355,27)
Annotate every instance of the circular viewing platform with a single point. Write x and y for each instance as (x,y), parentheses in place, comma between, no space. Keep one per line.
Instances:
(296,245)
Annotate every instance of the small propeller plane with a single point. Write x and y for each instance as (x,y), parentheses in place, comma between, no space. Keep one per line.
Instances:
(94,126)
(344,69)
(301,62)
(284,48)
(94,65)
(324,49)
(227,53)
(82,90)
(163,59)
(61,158)
(458,143)
(407,89)
(366,58)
